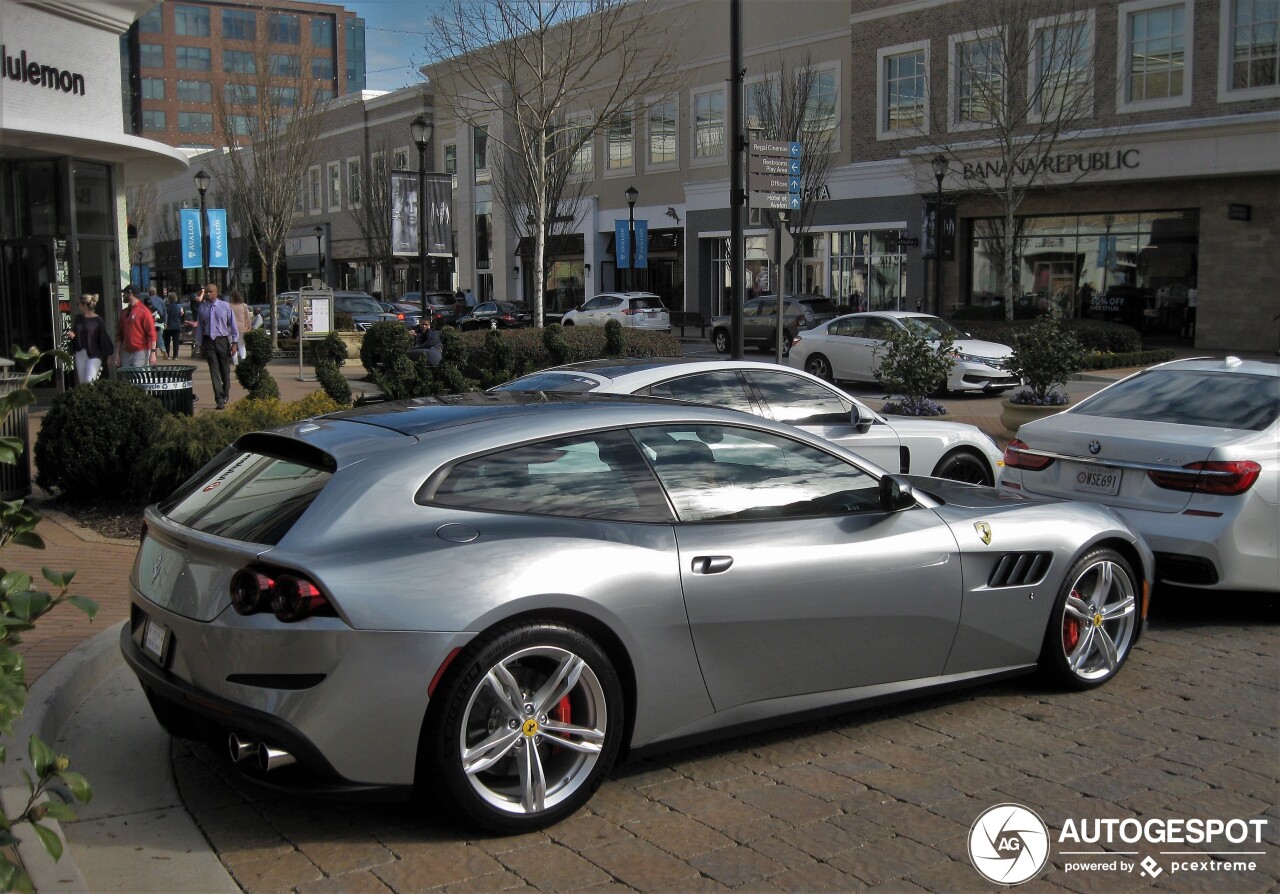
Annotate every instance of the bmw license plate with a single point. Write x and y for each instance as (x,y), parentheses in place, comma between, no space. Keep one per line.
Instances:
(1099,481)
(155,639)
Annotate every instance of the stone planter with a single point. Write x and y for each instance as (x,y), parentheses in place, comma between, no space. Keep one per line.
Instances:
(353,341)
(1012,415)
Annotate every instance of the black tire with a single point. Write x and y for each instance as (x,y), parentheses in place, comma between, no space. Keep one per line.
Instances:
(566,322)
(1094,621)
(720,338)
(473,720)
(820,366)
(786,343)
(966,466)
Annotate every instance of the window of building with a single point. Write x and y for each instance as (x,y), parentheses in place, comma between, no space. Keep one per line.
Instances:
(322,67)
(195,91)
(317,196)
(335,186)
(1062,66)
(977,89)
(400,159)
(240,94)
(663,133)
(1249,55)
(484,235)
(284,28)
(238,62)
(239,24)
(378,167)
(324,94)
(285,65)
(584,157)
(708,124)
(243,125)
(450,159)
(902,91)
(152,88)
(195,122)
(322,33)
(1154,67)
(154,120)
(151,22)
(355,182)
(300,199)
(822,103)
(151,55)
(761,100)
(620,143)
(284,97)
(480,153)
(191,21)
(868,270)
(194,58)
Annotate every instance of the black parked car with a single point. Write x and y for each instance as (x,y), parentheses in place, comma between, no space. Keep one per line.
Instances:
(496,315)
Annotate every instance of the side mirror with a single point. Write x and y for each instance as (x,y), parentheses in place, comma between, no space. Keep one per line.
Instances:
(861,419)
(895,494)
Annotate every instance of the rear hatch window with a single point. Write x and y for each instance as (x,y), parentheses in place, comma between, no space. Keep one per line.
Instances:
(250,496)
(1191,397)
(819,305)
(647,304)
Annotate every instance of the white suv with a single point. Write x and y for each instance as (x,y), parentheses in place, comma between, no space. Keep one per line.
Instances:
(641,310)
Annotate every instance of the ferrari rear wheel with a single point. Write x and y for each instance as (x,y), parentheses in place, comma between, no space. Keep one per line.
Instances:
(1094,621)
(532,721)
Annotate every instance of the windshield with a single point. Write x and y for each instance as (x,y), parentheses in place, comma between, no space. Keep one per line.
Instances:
(931,328)
(1191,397)
(357,305)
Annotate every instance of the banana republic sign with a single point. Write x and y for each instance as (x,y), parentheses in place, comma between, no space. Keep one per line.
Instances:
(1062,164)
(26,71)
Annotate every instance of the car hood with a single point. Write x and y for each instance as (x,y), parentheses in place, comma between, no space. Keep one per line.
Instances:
(979,348)
(969,496)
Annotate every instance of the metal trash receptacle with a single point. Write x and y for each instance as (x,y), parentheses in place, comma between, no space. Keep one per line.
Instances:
(172,385)
(15,480)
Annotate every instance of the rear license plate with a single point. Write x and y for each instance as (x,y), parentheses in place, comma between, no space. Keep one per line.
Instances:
(155,639)
(1098,481)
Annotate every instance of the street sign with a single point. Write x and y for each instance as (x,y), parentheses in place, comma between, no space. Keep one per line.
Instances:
(777,148)
(774,181)
(768,164)
(775,201)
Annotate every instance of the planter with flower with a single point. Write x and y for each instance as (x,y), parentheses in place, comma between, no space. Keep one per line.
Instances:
(1045,356)
(912,368)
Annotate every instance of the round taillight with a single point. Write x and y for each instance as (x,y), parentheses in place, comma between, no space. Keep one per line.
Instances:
(293,598)
(250,592)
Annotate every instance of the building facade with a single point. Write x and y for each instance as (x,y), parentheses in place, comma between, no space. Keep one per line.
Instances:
(64,164)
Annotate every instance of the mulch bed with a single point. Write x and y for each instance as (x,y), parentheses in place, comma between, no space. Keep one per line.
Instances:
(110,519)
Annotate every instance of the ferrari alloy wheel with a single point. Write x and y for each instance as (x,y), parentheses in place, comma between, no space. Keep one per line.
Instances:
(532,724)
(1094,621)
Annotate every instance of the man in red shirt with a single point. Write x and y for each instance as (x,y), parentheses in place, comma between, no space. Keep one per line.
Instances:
(136,332)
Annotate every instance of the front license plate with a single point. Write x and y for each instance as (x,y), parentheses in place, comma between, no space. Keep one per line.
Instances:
(1098,481)
(155,636)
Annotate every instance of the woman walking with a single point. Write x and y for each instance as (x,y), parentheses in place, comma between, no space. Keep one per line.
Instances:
(91,340)
(175,315)
(244,322)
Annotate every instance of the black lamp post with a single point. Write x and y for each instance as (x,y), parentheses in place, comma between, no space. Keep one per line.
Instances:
(421,129)
(940,165)
(632,195)
(202,186)
(319,231)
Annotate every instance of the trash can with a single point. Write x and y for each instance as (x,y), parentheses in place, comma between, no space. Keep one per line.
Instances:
(15,480)
(170,384)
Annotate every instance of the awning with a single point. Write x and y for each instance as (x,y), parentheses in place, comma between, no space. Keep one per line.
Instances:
(144,160)
(659,241)
(557,246)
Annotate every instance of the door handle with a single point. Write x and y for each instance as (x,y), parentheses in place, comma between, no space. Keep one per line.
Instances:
(711,564)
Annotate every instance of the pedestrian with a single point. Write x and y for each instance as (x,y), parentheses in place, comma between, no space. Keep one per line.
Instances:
(218,337)
(156,303)
(136,332)
(91,340)
(244,322)
(175,317)
(429,343)
(193,319)
(1189,313)
(469,298)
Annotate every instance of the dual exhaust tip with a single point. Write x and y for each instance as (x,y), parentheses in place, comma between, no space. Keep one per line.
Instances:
(267,757)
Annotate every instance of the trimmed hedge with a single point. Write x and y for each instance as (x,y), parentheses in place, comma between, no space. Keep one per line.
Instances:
(1094,335)
(1101,360)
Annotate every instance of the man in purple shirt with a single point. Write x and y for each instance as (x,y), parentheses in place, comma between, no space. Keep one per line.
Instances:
(217,335)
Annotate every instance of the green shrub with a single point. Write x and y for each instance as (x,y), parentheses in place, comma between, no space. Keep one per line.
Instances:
(554,343)
(251,372)
(330,349)
(334,383)
(405,378)
(613,343)
(1129,358)
(91,438)
(344,322)
(383,342)
(1094,335)
(1045,356)
(912,366)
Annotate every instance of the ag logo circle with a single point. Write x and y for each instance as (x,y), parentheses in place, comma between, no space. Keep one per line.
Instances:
(1008,844)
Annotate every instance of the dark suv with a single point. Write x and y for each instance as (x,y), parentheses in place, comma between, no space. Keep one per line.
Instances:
(760,321)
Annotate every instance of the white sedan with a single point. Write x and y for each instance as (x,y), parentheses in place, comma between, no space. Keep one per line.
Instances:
(911,446)
(844,350)
(1188,452)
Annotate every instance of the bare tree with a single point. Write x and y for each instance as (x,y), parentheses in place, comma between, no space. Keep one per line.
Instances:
(141,207)
(523,67)
(1018,88)
(273,114)
(373,216)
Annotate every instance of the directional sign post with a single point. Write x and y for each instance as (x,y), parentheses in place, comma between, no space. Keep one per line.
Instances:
(774,175)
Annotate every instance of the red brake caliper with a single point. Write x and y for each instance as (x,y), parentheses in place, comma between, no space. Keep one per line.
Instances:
(561,712)
(1070,629)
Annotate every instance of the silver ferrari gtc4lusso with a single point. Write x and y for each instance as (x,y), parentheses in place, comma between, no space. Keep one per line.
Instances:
(490,598)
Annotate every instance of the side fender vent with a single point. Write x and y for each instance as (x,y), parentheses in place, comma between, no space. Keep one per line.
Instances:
(1019,569)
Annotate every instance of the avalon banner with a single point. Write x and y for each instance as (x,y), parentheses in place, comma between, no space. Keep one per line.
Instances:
(219,253)
(439,216)
(189,227)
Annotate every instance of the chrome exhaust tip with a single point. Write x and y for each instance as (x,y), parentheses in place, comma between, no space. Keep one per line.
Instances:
(273,758)
(240,749)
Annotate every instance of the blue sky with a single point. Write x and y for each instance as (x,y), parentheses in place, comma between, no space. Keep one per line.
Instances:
(395,39)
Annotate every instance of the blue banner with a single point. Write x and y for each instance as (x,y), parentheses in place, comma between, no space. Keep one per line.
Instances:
(642,243)
(219,250)
(189,228)
(622,244)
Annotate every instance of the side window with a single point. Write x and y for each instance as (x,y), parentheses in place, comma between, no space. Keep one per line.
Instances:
(839,327)
(718,389)
(857,328)
(586,476)
(611,303)
(877,329)
(799,401)
(726,473)
(594,304)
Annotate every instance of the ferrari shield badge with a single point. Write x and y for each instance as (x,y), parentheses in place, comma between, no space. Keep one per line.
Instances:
(984,531)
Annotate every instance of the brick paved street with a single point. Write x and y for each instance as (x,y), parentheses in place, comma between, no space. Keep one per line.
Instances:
(883,798)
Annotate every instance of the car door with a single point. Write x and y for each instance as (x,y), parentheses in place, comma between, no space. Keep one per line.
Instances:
(823,411)
(760,324)
(590,313)
(864,347)
(839,348)
(795,580)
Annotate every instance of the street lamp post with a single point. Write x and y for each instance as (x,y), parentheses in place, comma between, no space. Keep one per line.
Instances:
(421,129)
(940,165)
(632,195)
(202,186)
(319,231)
